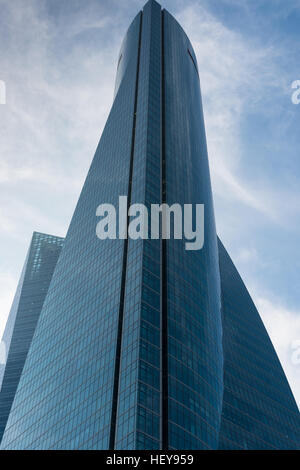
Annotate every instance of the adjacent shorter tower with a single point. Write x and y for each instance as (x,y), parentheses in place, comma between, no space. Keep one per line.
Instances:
(129,349)
(33,286)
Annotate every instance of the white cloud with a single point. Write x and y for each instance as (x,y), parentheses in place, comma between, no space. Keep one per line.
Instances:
(7,292)
(283,326)
(245,255)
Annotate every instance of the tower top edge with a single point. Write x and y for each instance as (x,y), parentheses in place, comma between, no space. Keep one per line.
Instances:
(152,2)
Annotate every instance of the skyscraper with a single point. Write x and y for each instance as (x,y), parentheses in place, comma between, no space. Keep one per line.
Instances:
(128,352)
(33,285)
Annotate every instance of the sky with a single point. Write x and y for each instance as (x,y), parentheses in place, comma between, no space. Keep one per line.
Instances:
(58,61)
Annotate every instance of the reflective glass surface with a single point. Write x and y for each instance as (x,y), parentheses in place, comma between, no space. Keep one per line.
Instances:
(26,308)
(195,361)
(259,410)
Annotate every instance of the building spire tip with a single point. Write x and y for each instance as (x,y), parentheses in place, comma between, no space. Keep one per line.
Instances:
(151,2)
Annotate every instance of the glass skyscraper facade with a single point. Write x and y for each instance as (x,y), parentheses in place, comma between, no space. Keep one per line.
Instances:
(259,410)
(129,351)
(33,285)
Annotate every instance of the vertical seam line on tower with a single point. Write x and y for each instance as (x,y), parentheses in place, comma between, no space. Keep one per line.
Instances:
(124,268)
(164,312)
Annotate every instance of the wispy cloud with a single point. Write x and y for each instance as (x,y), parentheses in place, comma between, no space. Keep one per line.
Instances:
(283,326)
(7,291)
(239,76)
(59,91)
